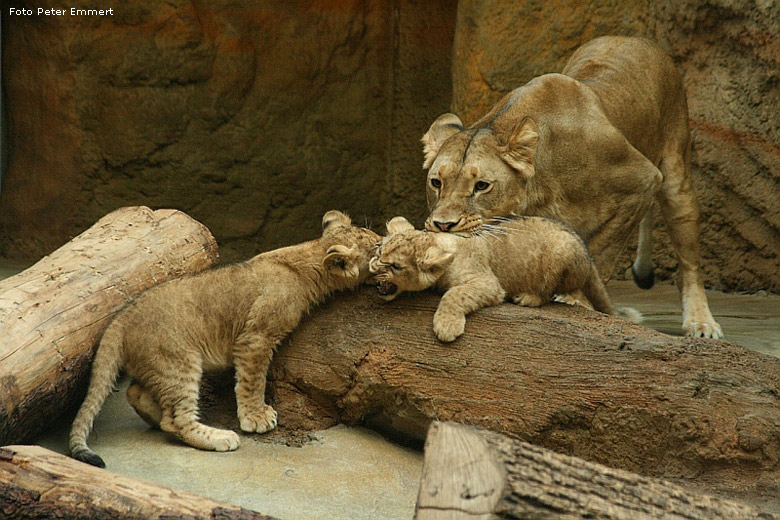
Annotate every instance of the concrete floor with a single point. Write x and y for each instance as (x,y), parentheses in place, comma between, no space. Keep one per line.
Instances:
(351,473)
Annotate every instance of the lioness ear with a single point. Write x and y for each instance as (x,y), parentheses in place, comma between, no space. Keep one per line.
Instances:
(436,259)
(398,225)
(339,257)
(335,217)
(443,128)
(519,151)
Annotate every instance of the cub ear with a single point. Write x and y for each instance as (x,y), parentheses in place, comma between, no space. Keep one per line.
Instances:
(398,225)
(519,151)
(334,218)
(436,259)
(339,257)
(443,128)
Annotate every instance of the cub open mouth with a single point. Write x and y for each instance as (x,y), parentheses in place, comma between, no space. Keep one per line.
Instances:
(386,288)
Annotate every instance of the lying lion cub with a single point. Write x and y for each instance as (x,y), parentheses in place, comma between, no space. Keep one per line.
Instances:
(525,259)
(231,316)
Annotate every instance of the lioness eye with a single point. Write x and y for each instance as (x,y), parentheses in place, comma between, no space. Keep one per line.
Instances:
(436,183)
(481,186)
(396,267)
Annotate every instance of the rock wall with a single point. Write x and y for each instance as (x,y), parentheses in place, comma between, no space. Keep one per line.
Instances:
(254,117)
(729,54)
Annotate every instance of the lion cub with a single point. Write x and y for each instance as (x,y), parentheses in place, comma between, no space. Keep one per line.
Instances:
(525,259)
(229,316)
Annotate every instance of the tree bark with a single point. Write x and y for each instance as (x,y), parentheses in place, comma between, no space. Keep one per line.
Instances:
(53,314)
(470,473)
(562,377)
(36,483)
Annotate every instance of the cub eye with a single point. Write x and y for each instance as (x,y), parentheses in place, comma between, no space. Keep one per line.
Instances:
(436,183)
(481,186)
(396,267)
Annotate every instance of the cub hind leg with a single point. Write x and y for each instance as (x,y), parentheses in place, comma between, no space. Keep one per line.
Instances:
(145,404)
(177,390)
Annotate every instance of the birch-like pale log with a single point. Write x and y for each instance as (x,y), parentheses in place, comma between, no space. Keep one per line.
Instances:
(52,315)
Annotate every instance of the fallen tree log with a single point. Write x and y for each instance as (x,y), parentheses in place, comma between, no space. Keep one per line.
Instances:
(562,377)
(53,314)
(470,473)
(38,483)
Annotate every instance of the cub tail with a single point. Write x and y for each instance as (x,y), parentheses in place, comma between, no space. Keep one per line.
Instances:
(105,368)
(597,294)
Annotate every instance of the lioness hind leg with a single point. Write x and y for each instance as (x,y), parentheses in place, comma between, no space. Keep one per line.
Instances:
(680,210)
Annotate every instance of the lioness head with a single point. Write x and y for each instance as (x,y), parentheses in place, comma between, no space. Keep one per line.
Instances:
(407,260)
(475,174)
(349,247)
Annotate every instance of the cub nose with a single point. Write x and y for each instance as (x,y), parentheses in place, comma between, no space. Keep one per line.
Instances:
(445,226)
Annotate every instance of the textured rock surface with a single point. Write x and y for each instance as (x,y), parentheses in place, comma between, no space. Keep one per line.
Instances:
(253,117)
(729,54)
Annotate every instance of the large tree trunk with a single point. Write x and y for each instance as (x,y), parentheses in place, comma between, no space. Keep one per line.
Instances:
(562,377)
(36,483)
(471,473)
(52,314)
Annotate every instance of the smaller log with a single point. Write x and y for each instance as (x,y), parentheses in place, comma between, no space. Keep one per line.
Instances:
(36,483)
(471,473)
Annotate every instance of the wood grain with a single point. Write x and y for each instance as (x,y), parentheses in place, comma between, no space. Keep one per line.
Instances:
(53,314)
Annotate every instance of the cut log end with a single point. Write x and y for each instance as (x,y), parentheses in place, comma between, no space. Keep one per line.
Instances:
(470,473)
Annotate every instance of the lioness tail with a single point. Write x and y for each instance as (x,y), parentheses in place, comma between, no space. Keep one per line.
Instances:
(105,368)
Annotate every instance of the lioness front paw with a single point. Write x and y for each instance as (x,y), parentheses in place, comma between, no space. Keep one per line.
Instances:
(448,327)
(258,421)
(703,329)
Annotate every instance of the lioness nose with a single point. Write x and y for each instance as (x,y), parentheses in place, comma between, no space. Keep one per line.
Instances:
(445,226)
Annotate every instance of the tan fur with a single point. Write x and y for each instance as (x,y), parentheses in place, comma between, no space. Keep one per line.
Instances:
(230,316)
(526,260)
(590,147)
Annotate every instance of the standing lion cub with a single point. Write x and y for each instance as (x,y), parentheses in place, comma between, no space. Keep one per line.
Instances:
(525,259)
(230,316)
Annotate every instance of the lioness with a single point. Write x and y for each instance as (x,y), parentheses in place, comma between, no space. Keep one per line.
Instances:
(589,147)
(524,259)
(230,316)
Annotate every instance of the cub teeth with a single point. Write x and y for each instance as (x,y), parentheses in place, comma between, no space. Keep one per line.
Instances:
(386,288)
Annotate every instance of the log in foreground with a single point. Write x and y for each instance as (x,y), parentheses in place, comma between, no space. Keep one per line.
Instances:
(562,377)
(53,314)
(471,473)
(38,483)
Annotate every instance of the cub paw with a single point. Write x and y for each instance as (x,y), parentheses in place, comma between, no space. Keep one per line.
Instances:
(448,328)
(225,440)
(258,421)
(527,300)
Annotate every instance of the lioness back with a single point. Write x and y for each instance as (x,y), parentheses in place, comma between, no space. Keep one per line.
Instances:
(632,78)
